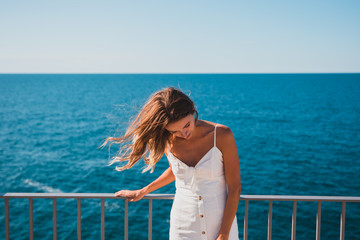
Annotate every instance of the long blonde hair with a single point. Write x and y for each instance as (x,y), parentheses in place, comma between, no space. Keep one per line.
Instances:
(147,136)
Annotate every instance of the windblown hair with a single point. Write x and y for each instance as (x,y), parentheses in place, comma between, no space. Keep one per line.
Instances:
(147,136)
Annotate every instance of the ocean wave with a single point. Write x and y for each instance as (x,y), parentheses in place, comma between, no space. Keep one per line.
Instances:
(42,187)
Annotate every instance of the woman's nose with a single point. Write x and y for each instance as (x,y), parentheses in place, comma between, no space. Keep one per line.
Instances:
(184,133)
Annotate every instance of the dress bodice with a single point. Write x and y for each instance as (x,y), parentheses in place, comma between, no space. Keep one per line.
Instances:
(205,178)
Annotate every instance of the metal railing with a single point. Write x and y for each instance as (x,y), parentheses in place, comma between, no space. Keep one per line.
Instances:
(150,197)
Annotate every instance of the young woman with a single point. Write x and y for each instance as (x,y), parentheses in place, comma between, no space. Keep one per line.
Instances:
(203,161)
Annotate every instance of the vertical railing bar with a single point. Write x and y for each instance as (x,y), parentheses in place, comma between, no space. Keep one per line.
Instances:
(246,220)
(7,233)
(150,219)
(54,220)
(342,221)
(293,229)
(102,219)
(79,218)
(126,219)
(31,219)
(318,221)
(270,220)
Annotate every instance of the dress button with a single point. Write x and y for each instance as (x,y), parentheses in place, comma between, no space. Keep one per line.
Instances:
(201,215)
(200,197)
(203,232)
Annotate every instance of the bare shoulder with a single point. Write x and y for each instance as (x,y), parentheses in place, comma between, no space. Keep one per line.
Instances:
(209,126)
(223,131)
(224,137)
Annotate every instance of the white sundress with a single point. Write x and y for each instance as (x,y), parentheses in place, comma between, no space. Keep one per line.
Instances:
(200,198)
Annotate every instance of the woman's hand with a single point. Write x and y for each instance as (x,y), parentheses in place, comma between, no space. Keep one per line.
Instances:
(131,195)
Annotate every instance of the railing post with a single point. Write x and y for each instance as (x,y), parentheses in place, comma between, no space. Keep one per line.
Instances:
(54,220)
(31,219)
(79,218)
(126,219)
(102,219)
(150,220)
(270,220)
(293,229)
(7,233)
(342,221)
(318,221)
(246,220)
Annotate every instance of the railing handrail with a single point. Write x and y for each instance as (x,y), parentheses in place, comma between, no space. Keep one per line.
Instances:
(171,196)
(151,197)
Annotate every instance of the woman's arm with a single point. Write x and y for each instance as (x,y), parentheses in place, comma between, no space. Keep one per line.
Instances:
(232,177)
(165,178)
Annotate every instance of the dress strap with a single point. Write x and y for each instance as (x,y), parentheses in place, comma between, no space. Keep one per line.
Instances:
(168,148)
(215,135)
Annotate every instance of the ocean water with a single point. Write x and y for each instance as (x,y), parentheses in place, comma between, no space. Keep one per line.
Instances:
(297,134)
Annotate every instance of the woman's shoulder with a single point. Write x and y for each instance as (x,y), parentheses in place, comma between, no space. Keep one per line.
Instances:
(221,129)
(224,136)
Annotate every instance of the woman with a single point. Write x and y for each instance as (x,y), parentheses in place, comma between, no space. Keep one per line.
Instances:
(203,160)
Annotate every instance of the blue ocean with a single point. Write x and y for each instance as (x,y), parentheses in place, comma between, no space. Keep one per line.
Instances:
(296,134)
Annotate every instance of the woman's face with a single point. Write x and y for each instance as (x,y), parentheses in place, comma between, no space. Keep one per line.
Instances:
(182,128)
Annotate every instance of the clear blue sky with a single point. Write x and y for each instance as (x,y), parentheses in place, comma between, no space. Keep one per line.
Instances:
(179,36)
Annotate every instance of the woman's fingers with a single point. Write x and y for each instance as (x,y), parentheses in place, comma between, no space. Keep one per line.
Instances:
(132,196)
(126,193)
(120,193)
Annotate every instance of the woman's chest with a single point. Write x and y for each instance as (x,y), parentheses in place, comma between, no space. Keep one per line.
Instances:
(192,153)
(191,157)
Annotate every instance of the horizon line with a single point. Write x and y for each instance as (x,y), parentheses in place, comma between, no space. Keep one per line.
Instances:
(66,73)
